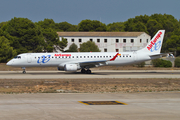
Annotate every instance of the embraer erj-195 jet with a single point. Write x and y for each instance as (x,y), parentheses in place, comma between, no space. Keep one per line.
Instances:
(85,60)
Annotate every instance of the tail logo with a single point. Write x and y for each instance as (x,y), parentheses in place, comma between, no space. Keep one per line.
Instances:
(153,42)
(156,46)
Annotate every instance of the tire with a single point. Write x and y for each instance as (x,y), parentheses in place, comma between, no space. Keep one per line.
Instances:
(83,71)
(88,71)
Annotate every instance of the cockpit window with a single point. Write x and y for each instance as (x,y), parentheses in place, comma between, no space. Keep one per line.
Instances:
(19,57)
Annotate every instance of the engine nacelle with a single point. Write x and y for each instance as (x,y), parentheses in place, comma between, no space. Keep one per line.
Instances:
(70,67)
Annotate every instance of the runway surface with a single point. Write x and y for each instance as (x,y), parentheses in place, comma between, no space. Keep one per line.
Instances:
(95,74)
(140,106)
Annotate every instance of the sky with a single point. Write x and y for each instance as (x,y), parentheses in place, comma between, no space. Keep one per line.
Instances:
(74,11)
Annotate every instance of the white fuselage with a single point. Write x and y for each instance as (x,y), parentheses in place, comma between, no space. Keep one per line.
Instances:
(59,59)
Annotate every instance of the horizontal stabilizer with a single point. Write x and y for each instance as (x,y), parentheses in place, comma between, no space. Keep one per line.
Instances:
(161,54)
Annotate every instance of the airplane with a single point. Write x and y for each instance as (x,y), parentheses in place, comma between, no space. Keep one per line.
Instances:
(83,61)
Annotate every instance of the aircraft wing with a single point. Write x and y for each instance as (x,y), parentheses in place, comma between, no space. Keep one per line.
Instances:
(96,63)
(93,63)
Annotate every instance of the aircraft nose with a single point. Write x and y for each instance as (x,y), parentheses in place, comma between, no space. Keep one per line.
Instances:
(9,63)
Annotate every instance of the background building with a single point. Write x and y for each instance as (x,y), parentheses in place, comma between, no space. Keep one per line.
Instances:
(108,41)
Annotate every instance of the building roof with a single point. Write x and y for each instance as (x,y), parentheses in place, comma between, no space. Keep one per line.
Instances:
(100,34)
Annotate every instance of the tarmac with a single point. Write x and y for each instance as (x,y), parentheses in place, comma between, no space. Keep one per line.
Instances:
(95,74)
(64,106)
(67,106)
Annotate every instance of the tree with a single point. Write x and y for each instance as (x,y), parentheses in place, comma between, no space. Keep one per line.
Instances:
(177,62)
(174,44)
(91,25)
(153,26)
(65,26)
(139,26)
(6,51)
(47,23)
(115,27)
(51,39)
(168,22)
(62,44)
(73,48)
(23,35)
(2,23)
(161,63)
(89,47)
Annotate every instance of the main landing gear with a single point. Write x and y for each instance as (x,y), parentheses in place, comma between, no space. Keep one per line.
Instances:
(24,70)
(86,71)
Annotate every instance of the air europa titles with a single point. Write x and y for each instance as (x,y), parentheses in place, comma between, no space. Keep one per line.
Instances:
(67,55)
(154,41)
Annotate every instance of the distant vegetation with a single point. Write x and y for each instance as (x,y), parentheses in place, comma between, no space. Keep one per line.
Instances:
(21,35)
(161,63)
(177,62)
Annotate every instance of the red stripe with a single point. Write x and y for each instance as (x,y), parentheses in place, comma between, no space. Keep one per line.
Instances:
(114,57)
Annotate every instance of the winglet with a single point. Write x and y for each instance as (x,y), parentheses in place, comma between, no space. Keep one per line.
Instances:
(114,57)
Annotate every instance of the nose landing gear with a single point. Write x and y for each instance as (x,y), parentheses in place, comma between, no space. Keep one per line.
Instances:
(24,70)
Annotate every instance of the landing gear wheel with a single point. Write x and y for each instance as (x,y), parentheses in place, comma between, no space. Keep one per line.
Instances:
(83,70)
(88,72)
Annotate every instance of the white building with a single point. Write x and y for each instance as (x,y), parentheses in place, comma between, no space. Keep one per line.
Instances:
(108,41)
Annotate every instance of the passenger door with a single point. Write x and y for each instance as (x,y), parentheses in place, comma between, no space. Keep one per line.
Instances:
(29,59)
